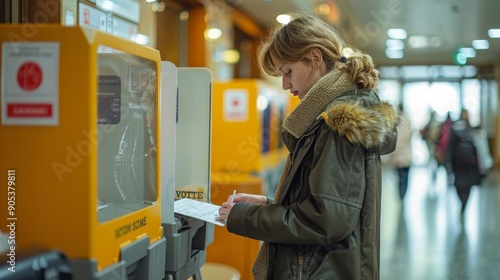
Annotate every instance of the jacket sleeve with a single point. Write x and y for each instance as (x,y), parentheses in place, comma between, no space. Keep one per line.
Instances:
(328,214)
(389,145)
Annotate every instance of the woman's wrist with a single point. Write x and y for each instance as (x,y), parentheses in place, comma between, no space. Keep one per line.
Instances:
(265,200)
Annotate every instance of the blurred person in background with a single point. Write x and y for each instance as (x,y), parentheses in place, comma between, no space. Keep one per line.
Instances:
(461,159)
(443,140)
(400,159)
(430,135)
(442,148)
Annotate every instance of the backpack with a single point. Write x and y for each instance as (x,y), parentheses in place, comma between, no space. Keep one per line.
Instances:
(464,150)
(442,140)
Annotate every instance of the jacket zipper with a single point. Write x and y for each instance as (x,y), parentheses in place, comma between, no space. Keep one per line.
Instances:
(301,262)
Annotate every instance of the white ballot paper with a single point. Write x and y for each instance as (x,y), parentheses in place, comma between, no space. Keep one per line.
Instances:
(199,210)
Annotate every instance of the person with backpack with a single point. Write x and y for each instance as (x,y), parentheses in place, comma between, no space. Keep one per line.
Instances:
(461,158)
(442,140)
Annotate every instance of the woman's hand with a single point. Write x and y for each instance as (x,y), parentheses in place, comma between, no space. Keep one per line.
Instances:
(250,198)
(224,211)
(226,207)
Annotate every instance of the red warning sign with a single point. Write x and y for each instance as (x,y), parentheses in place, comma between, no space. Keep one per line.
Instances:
(29,110)
(29,76)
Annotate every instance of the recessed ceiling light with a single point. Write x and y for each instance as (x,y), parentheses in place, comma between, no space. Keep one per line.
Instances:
(395,44)
(494,33)
(481,44)
(396,33)
(394,54)
(468,52)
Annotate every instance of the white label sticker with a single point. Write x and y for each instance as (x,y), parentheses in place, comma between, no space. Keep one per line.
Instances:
(235,105)
(30,83)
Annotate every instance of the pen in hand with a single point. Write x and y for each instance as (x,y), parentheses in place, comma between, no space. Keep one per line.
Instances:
(225,209)
(232,197)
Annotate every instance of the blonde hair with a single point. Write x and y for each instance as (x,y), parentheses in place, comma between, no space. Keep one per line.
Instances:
(294,41)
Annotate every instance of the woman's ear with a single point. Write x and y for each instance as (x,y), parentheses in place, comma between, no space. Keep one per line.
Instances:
(316,56)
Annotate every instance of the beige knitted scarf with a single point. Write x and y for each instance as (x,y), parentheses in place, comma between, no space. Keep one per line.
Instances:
(329,87)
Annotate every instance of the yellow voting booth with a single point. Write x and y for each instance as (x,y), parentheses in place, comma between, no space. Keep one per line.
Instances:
(246,132)
(247,156)
(247,117)
(79,126)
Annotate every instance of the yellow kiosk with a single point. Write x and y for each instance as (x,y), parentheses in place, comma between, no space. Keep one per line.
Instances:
(80,138)
(80,112)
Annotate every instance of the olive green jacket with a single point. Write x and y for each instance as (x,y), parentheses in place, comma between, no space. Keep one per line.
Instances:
(325,221)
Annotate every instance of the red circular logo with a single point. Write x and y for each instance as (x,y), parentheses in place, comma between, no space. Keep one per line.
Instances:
(29,76)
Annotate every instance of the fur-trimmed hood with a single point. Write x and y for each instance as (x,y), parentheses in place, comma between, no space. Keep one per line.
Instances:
(355,114)
(359,123)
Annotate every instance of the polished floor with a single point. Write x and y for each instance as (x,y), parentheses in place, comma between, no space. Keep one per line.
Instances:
(423,238)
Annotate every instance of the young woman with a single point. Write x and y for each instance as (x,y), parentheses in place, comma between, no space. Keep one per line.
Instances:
(324,220)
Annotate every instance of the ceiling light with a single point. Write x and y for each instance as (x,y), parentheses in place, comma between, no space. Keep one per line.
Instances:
(494,33)
(213,33)
(283,19)
(468,52)
(324,9)
(394,54)
(418,42)
(396,33)
(481,44)
(395,44)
